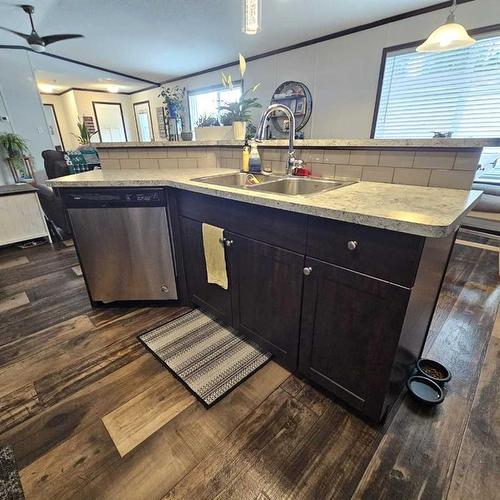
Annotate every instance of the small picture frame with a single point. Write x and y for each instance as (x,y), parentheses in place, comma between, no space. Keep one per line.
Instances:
(300,106)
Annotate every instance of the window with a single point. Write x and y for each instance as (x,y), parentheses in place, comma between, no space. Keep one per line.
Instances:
(456,91)
(110,124)
(143,121)
(207,101)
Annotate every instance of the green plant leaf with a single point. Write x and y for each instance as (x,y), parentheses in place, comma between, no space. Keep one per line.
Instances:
(243,65)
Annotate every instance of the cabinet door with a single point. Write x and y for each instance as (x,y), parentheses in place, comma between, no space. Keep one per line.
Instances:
(212,297)
(350,330)
(266,283)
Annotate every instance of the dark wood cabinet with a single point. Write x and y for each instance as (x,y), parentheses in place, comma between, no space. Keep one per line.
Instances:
(350,332)
(266,287)
(212,297)
(355,324)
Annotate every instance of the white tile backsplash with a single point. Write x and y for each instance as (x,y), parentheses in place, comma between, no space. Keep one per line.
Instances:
(168,163)
(396,158)
(336,156)
(348,172)
(434,159)
(412,167)
(377,174)
(364,157)
(129,163)
(457,179)
(322,169)
(467,161)
(412,176)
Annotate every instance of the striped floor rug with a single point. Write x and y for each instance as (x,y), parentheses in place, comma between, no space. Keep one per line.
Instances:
(208,358)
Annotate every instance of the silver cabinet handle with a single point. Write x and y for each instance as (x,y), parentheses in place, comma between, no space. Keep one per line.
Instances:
(164,288)
(307,271)
(351,245)
(226,242)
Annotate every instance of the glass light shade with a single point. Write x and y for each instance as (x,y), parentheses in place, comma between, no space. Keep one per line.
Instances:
(449,36)
(46,88)
(252,17)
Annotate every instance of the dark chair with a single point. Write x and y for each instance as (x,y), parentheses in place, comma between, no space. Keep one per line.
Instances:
(55,166)
(55,163)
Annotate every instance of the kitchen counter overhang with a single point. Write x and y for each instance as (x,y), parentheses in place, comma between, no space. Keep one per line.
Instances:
(424,211)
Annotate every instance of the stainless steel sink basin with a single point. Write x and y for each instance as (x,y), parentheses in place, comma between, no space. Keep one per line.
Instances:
(299,186)
(236,179)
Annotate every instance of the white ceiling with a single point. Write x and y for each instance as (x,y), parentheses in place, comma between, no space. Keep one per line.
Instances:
(62,75)
(162,39)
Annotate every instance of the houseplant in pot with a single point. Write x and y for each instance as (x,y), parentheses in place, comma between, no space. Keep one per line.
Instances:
(18,156)
(209,128)
(173,100)
(85,136)
(238,112)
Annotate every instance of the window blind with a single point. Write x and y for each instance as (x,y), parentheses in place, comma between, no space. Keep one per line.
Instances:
(456,91)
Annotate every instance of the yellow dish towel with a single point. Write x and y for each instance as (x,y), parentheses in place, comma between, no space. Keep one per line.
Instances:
(215,259)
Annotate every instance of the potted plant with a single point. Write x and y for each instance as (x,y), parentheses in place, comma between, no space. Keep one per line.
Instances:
(209,128)
(85,136)
(238,113)
(173,100)
(18,156)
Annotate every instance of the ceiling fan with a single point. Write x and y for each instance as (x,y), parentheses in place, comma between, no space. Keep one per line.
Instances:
(35,41)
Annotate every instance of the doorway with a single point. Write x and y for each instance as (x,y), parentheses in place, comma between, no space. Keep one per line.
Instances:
(110,122)
(53,124)
(143,121)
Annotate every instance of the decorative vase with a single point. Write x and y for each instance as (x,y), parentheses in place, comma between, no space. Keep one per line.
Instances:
(239,131)
(172,109)
(213,133)
(187,136)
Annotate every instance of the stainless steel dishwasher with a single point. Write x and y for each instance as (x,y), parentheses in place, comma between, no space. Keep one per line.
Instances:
(123,242)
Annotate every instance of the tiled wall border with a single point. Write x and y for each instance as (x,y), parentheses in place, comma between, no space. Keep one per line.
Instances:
(418,167)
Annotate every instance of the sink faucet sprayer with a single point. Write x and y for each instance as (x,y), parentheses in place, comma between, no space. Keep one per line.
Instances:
(292,162)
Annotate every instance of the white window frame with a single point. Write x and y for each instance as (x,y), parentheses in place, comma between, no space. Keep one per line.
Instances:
(208,90)
(405,49)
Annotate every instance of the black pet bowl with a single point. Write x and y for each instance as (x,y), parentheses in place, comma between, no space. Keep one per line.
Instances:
(425,390)
(433,370)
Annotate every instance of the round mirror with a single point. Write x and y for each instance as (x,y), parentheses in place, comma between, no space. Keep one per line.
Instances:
(297,97)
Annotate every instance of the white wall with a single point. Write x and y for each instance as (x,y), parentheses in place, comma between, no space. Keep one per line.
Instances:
(342,74)
(64,118)
(5,127)
(23,104)
(74,104)
(84,99)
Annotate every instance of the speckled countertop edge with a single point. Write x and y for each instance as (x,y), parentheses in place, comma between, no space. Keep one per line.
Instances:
(319,143)
(436,212)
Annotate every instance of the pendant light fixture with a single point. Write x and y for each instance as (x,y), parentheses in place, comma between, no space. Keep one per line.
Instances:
(449,36)
(252,17)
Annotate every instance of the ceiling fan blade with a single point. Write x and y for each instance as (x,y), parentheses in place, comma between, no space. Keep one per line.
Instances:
(56,38)
(22,35)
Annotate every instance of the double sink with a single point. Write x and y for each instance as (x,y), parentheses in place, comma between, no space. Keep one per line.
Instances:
(273,183)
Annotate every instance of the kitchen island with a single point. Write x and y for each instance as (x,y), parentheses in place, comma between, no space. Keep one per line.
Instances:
(340,285)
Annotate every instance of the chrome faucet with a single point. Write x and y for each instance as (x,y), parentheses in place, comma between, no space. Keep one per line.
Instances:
(292,162)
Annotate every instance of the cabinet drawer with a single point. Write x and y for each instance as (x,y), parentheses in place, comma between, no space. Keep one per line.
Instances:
(381,253)
(277,227)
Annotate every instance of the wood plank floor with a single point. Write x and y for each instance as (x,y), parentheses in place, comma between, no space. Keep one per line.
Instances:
(91,414)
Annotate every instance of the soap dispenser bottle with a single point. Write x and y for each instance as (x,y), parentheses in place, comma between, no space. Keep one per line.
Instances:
(245,160)
(255,162)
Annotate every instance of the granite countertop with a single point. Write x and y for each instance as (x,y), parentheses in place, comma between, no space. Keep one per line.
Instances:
(425,211)
(320,143)
(9,189)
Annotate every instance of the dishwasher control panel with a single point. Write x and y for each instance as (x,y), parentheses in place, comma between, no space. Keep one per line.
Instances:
(113,197)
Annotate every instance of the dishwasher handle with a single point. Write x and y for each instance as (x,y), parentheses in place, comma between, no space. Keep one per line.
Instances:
(113,197)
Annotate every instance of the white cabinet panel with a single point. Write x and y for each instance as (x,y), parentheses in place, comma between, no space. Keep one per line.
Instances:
(21,218)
